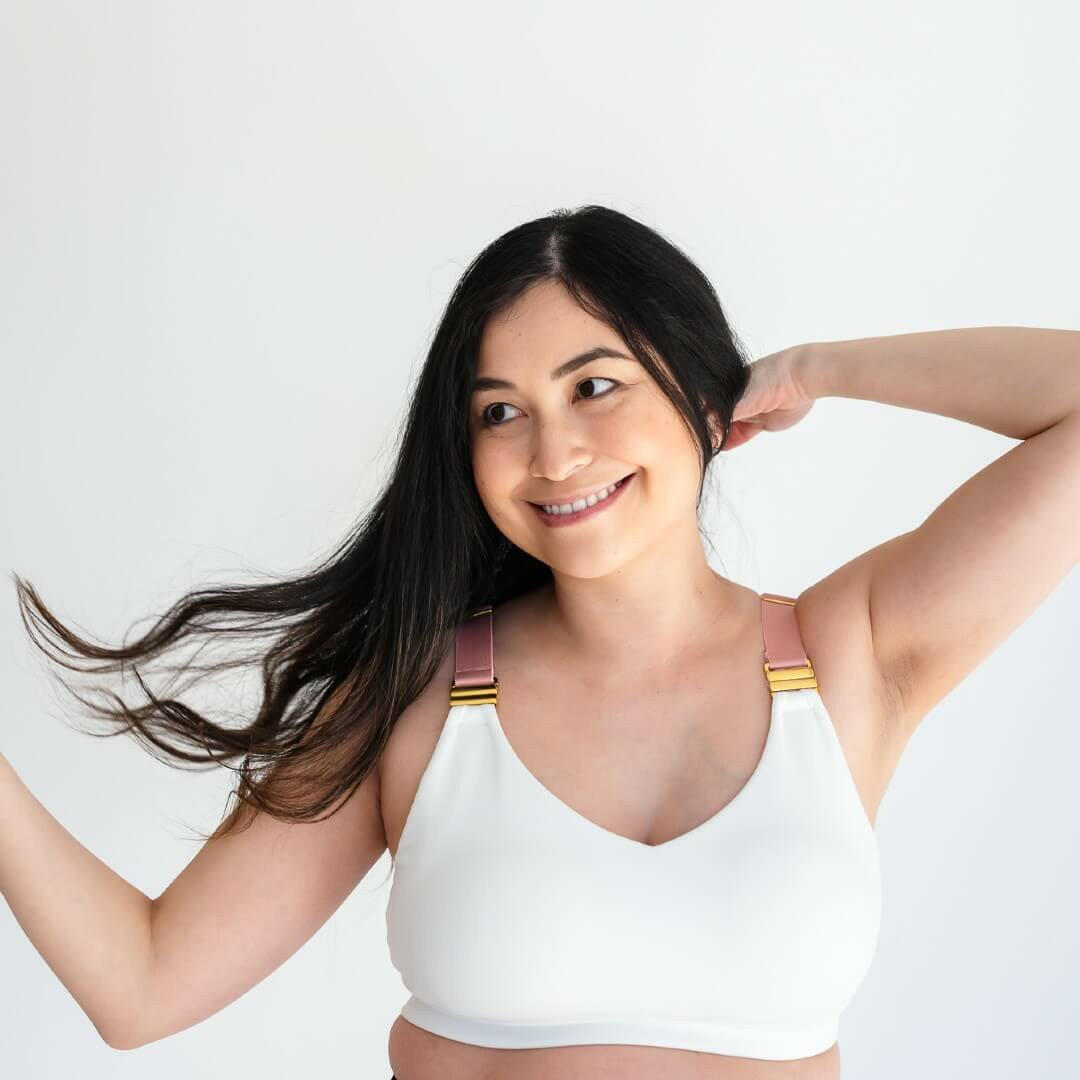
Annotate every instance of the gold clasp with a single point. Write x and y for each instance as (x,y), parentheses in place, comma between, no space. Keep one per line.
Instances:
(791,678)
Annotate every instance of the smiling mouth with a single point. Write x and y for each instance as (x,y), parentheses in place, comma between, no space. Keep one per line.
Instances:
(614,484)
(598,506)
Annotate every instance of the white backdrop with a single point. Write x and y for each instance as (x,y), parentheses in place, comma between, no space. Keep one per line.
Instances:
(226,233)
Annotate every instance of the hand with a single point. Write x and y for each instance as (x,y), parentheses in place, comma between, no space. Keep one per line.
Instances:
(774,399)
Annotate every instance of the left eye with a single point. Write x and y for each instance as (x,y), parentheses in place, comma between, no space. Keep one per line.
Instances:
(486,421)
(597,378)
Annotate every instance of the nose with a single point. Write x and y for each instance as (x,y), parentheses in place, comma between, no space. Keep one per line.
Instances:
(557,450)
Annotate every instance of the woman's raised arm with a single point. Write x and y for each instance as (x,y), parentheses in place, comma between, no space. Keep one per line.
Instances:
(144,969)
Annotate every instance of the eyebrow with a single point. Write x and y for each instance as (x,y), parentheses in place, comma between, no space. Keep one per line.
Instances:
(487,383)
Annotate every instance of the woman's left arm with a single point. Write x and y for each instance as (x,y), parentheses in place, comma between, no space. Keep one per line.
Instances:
(943,596)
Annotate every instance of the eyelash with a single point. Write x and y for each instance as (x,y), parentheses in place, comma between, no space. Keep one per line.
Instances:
(485,422)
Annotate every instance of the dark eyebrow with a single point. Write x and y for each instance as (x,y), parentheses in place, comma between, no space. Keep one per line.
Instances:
(486,383)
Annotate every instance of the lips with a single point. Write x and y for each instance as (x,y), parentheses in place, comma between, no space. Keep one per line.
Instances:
(557,501)
(556,521)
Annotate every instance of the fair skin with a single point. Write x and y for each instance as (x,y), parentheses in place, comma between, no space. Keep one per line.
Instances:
(631,599)
(635,622)
(634,616)
(667,654)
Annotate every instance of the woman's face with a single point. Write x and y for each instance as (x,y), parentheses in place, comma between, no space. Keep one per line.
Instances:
(546,439)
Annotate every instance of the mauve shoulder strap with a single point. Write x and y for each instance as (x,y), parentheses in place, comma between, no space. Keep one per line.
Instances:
(474,655)
(785,655)
(787,667)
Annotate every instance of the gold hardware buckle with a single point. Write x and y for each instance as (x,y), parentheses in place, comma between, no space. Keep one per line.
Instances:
(485,694)
(791,678)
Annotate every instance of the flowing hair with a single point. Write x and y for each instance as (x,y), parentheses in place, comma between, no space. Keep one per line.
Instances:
(346,646)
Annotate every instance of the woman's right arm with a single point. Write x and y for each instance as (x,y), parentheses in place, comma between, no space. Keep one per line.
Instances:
(144,969)
(90,926)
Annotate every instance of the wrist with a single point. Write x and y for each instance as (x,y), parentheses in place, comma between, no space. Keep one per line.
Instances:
(814,369)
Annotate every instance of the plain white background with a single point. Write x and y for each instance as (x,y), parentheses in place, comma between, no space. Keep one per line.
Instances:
(227,231)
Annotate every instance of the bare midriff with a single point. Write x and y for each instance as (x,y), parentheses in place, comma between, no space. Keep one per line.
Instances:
(418,1054)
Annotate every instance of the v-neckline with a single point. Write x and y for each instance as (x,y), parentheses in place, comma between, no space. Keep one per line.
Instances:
(588,823)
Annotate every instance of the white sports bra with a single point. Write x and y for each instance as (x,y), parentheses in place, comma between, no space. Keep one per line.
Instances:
(516,922)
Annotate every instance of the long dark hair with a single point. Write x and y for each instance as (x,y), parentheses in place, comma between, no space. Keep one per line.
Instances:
(351,642)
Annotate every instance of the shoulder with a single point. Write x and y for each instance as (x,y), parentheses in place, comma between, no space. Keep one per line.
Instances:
(417,728)
(415,732)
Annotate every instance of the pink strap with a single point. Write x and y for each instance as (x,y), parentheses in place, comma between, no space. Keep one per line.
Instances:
(780,631)
(474,657)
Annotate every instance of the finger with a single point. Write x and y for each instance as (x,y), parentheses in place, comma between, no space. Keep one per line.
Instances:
(740,433)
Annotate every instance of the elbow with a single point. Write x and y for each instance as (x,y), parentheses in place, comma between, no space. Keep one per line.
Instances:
(119,1040)
(122,1036)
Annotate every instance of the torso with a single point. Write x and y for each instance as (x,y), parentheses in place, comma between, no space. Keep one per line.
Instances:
(630,771)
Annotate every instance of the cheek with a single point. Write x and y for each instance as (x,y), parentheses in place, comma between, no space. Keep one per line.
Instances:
(648,442)
(494,475)
(666,456)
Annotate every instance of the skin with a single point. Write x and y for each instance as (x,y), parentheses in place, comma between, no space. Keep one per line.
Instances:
(666,654)
(634,616)
(633,590)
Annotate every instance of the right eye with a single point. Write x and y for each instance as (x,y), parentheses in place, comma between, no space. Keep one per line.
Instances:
(486,420)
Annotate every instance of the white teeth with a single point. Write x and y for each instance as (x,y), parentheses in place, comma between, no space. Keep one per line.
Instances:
(580,504)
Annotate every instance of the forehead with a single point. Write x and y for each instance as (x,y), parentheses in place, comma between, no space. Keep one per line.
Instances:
(543,326)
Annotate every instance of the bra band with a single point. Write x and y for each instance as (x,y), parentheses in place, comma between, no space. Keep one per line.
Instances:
(787,667)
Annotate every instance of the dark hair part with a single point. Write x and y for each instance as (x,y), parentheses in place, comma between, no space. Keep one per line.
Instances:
(355,640)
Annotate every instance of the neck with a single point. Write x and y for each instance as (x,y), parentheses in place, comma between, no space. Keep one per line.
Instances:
(660,610)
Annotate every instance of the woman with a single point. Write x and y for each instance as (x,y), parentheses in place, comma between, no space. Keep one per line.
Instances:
(630,803)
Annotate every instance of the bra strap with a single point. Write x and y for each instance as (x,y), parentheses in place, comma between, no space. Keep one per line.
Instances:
(474,661)
(787,667)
